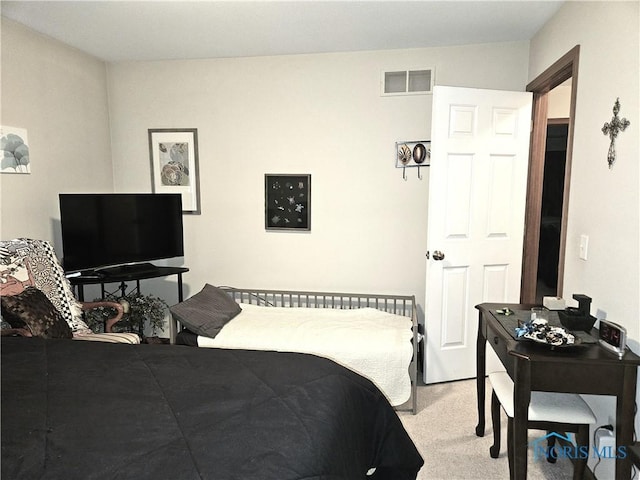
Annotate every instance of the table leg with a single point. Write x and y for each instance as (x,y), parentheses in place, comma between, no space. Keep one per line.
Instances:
(625,406)
(481,343)
(173,325)
(521,400)
(180,294)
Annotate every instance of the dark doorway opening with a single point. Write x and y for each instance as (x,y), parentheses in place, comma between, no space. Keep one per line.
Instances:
(564,69)
(552,208)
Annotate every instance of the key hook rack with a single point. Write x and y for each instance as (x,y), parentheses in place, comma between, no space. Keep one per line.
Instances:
(413,153)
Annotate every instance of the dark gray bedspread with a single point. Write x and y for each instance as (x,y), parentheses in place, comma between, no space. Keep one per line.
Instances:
(88,410)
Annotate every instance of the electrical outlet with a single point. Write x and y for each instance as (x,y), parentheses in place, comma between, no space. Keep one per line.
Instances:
(605,440)
(584,246)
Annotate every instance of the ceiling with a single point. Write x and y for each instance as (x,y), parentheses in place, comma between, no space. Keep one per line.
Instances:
(114,30)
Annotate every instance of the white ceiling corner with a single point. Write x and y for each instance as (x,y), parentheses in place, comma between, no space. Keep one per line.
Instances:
(115,30)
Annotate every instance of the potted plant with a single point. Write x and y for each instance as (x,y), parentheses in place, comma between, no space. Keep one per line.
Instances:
(139,310)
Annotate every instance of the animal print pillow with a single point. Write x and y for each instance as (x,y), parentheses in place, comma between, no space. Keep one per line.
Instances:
(32,309)
(26,262)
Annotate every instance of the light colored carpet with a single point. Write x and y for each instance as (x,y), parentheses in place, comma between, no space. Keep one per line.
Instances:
(444,433)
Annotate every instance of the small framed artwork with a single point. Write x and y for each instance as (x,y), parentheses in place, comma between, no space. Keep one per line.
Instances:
(14,150)
(287,202)
(174,164)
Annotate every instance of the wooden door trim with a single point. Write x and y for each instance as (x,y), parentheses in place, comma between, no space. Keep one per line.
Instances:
(563,69)
(557,121)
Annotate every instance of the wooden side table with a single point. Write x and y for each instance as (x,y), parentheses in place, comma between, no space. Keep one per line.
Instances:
(587,369)
(634,454)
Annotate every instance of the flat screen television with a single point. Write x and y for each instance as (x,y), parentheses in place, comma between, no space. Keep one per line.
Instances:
(104,233)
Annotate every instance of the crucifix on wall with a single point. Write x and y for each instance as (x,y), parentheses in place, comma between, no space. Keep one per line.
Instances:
(612,128)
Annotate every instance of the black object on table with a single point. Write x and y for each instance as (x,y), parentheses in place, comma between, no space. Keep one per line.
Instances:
(587,368)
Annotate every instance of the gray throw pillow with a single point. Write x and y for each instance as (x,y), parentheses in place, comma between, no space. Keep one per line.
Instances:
(207,311)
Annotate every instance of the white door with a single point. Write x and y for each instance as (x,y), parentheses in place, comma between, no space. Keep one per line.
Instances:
(477,196)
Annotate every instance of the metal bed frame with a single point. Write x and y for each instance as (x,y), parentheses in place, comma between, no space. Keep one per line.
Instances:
(404,305)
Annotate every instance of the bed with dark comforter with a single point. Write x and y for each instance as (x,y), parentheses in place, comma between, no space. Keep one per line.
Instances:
(86,410)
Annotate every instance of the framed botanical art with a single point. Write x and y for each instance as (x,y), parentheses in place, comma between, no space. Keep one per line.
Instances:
(14,150)
(287,202)
(174,164)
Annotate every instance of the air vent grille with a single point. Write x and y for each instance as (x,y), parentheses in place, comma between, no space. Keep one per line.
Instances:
(407,82)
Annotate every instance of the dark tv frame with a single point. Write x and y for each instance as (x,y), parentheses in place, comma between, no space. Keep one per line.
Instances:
(101,218)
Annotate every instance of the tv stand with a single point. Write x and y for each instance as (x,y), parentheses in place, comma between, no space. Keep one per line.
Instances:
(130,273)
(135,269)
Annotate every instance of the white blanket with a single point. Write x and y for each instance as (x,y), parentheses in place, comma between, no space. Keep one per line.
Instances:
(375,344)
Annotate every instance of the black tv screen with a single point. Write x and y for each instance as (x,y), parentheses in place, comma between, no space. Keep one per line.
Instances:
(112,229)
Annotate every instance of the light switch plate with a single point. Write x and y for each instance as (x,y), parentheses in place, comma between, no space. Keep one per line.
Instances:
(584,246)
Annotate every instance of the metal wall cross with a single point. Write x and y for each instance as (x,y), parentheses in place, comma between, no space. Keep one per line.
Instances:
(612,129)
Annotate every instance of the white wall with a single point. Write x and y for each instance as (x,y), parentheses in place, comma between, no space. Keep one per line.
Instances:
(319,114)
(604,203)
(559,102)
(59,95)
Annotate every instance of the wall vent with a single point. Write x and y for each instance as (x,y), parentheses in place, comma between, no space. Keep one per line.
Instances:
(417,81)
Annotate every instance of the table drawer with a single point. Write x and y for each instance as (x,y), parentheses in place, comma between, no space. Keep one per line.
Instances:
(498,344)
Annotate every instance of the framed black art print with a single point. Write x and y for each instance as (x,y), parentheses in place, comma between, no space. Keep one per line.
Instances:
(287,202)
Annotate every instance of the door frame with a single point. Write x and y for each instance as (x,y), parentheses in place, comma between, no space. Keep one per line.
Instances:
(563,69)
